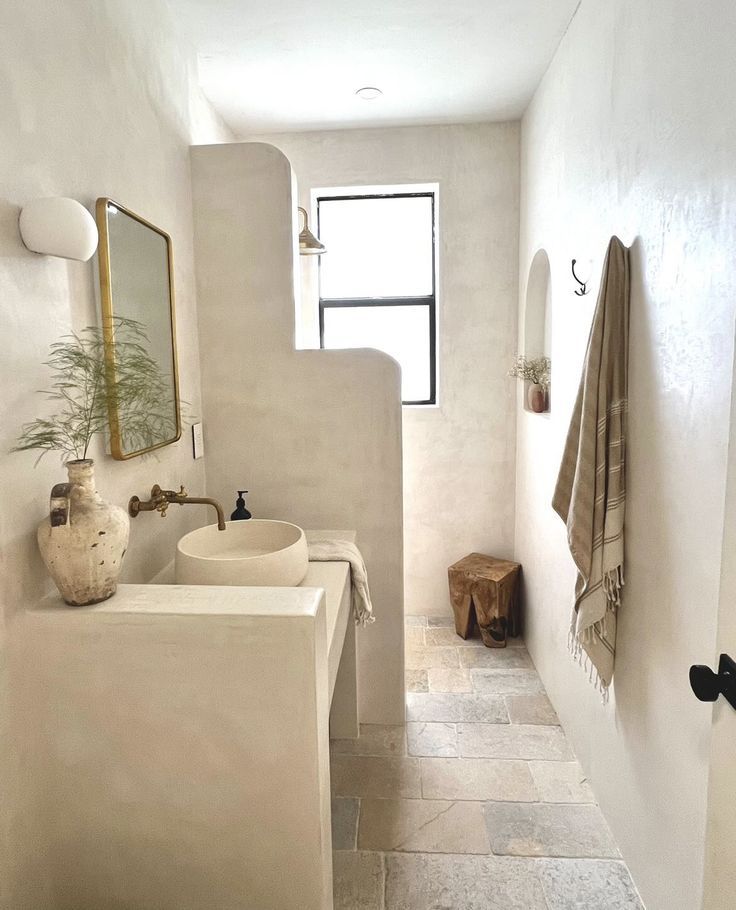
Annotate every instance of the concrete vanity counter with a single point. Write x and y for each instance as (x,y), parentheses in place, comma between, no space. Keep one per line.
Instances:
(198,710)
(334,579)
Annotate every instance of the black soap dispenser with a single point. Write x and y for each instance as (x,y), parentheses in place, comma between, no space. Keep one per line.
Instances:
(240,513)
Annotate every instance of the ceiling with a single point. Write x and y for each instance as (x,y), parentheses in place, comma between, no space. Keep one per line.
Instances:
(278,65)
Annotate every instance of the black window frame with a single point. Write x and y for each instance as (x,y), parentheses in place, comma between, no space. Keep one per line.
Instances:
(429,301)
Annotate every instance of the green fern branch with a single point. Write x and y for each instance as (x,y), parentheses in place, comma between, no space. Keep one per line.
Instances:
(86,390)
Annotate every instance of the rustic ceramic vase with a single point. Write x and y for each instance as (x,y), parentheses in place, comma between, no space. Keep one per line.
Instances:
(536,397)
(84,539)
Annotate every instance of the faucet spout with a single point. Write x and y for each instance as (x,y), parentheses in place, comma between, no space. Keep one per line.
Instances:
(161,499)
(205,501)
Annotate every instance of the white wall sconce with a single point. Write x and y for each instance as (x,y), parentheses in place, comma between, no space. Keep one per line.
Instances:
(58,226)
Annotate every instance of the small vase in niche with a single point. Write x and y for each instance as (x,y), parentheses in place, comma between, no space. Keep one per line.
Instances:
(84,539)
(536,397)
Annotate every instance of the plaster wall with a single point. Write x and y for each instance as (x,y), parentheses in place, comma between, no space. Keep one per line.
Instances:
(720,845)
(458,456)
(314,435)
(629,133)
(95,99)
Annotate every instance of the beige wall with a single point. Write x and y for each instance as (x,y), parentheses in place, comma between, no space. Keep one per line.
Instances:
(95,99)
(458,457)
(630,133)
(314,435)
(720,845)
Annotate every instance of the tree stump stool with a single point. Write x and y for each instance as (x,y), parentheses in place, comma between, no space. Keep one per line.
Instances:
(483,588)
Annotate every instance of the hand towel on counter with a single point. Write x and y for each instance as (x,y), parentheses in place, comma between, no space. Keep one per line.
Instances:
(590,495)
(345,551)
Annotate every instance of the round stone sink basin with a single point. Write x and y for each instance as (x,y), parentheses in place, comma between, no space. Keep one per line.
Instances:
(254,552)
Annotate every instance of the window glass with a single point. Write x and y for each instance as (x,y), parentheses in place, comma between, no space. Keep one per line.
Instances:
(376,247)
(401,331)
(376,281)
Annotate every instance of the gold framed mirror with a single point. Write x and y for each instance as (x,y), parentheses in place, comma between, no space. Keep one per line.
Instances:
(139,331)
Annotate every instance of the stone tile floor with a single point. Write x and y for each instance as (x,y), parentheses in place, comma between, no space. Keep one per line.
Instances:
(477,803)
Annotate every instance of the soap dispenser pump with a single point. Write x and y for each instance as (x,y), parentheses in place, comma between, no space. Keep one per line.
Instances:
(240,513)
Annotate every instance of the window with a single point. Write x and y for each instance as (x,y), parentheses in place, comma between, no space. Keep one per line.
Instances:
(377,282)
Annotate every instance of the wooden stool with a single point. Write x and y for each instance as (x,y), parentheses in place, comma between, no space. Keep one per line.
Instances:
(484,588)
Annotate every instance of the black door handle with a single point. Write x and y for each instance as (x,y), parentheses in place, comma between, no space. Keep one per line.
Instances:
(708,685)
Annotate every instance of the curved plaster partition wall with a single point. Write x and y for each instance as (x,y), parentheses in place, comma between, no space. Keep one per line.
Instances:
(317,434)
(537,338)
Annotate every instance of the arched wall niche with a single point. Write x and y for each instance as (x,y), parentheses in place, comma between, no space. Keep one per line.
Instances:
(537,337)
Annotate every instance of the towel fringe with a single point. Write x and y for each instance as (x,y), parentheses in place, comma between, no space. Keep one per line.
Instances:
(576,640)
(613,582)
(594,677)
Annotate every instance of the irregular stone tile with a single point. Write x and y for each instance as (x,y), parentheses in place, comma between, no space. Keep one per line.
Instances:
(416,881)
(357,880)
(477,779)
(448,622)
(374,739)
(422,658)
(472,708)
(417,681)
(422,826)
(378,776)
(414,636)
(344,823)
(432,739)
(415,620)
(561,781)
(446,635)
(507,682)
(587,884)
(546,829)
(531,709)
(529,742)
(449,680)
(495,658)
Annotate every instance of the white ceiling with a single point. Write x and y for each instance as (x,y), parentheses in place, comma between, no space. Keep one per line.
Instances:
(270,65)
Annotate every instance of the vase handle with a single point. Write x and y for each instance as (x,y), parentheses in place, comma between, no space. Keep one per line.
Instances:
(59,504)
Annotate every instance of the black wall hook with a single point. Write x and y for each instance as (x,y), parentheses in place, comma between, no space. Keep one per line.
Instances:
(583,289)
(708,685)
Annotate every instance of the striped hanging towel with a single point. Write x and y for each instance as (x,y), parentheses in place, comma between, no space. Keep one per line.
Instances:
(590,496)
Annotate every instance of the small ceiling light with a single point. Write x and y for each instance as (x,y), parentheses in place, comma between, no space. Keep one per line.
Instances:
(309,245)
(369,93)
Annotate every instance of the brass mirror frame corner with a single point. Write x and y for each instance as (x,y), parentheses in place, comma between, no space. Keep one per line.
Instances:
(108,316)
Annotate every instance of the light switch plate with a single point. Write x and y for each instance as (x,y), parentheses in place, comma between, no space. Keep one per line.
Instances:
(197,440)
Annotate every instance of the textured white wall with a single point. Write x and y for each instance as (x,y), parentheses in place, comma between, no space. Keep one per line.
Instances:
(314,435)
(720,846)
(631,133)
(458,457)
(96,99)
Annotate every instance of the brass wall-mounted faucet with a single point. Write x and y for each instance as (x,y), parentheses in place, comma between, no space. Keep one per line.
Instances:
(161,500)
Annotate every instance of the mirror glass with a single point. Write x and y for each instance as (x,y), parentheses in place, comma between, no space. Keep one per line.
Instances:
(137,297)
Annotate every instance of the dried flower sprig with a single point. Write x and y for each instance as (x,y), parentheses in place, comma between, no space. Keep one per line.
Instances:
(532,369)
